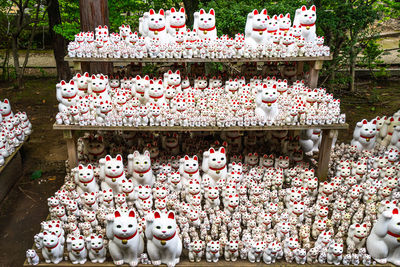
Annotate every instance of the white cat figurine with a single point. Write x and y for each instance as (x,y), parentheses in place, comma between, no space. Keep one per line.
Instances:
(125,242)
(77,251)
(85,180)
(214,165)
(204,24)
(163,242)
(112,173)
(139,166)
(53,249)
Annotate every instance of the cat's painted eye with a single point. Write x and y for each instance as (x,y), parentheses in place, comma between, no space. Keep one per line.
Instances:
(158,227)
(145,162)
(130,225)
(169,227)
(209,18)
(152,19)
(118,226)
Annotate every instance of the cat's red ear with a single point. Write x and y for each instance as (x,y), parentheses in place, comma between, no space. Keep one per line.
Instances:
(62,83)
(202,11)
(151,12)
(255,12)
(212,151)
(157,215)
(171,215)
(222,150)
(195,157)
(173,10)
(303,8)
(395,211)
(117,214)
(212,12)
(313,8)
(90,166)
(119,157)
(182,10)
(264,12)
(132,214)
(161,12)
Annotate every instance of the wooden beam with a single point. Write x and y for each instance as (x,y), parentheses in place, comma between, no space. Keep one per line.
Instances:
(315,67)
(71,149)
(344,126)
(126,61)
(325,154)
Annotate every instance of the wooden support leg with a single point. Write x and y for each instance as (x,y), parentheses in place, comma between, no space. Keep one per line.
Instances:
(300,69)
(71,149)
(77,67)
(325,154)
(315,67)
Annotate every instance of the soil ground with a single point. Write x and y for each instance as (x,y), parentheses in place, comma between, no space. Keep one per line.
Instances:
(26,205)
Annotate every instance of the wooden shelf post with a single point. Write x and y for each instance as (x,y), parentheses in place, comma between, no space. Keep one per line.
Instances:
(71,148)
(315,67)
(325,153)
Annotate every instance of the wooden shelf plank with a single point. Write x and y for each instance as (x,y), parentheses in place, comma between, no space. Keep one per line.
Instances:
(9,158)
(189,60)
(344,126)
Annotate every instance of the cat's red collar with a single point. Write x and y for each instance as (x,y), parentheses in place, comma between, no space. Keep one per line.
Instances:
(65,97)
(99,92)
(393,234)
(157,30)
(192,172)
(87,182)
(164,239)
(177,27)
(52,246)
(106,111)
(260,30)
(207,29)
(97,249)
(269,102)
(218,169)
(283,29)
(114,177)
(367,138)
(126,238)
(82,89)
(97,154)
(185,87)
(307,25)
(157,97)
(78,250)
(142,172)
(273,31)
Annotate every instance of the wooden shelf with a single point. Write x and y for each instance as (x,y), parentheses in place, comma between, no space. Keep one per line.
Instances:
(126,61)
(9,158)
(186,263)
(344,126)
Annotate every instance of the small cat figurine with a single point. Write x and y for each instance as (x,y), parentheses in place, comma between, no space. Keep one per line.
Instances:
(139,165)
(204,24)
(214,165)
(125,242)
(67,95)
(32,257)
(176,21)
(256,28)
(97,250)
(163,242)
(98,87)
(306,18)
(189,168)
(53,248)
(112,173)
(77,251)
(155,26)
(85,180)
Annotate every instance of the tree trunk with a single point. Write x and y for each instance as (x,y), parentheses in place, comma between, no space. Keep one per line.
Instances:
(14,46)
(94,13)
(191,6)
(352,65)
(58,41)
